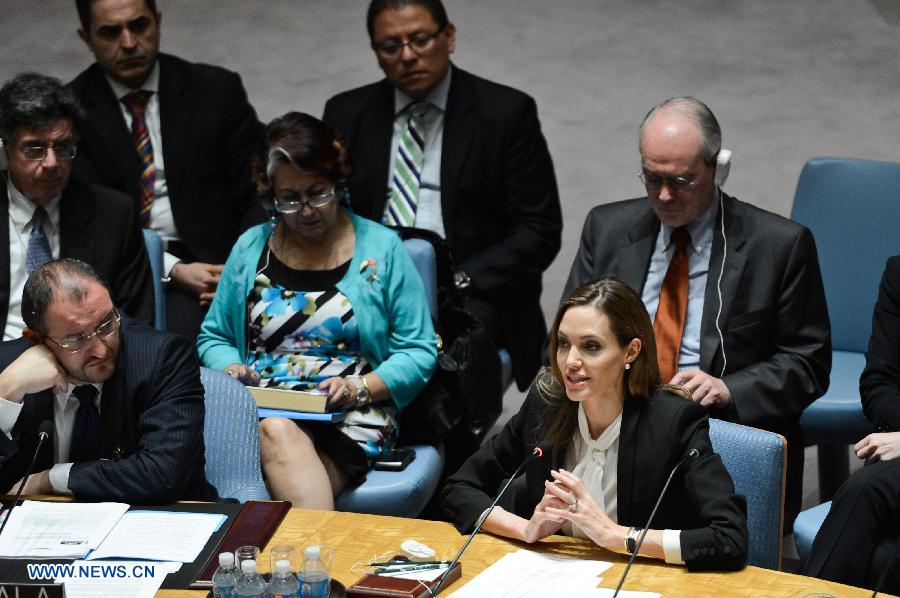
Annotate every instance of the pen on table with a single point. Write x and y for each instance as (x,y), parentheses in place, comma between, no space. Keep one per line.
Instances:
(408,568)
(407,563)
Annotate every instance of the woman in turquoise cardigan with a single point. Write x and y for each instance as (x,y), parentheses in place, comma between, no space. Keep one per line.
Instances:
(324,301)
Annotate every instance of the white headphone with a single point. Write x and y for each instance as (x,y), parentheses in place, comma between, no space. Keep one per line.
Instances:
(723,167)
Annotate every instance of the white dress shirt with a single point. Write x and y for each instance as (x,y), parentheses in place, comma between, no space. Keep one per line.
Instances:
(596,462)
(161,218)
(428,206)
(65,406)
(21,211)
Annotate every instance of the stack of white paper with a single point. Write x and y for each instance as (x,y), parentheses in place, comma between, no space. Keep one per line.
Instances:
(524,574)
(118,579)
(58,530)
(159,536)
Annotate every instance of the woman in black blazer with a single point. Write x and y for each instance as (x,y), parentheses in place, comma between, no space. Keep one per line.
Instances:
(601,406)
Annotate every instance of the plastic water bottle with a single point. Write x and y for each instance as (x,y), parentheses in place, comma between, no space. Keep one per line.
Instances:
(283,584)
(314,579)
(225,577)
(250,584)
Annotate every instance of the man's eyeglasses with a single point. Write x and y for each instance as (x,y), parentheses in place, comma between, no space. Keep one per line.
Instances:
(75,344)
(37,151)
(418,43)
(313,200)
(677,184)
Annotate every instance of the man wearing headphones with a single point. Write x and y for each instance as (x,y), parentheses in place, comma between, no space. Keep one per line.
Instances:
(735,292)
(52,215)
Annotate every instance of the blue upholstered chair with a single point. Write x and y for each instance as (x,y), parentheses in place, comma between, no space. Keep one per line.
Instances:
(852,208)
(155,252)
(756,461)
(806,526)
(403,493)
(231,434)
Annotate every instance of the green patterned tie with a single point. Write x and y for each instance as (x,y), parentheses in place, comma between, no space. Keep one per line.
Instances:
(407,174)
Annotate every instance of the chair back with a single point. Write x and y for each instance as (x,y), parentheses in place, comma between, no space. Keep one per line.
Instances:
(423,256)
(231,434)
(153,243)
(852,208)
(756,461)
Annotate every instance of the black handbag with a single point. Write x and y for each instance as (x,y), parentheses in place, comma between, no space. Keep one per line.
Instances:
(465,396)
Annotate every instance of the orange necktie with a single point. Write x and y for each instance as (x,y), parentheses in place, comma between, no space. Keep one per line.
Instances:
(669,324)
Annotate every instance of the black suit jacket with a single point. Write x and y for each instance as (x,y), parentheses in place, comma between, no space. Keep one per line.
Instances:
(879,384)
(152,411)
(774,318)
(499,199)
(98,226)
(208,130)
(655,434)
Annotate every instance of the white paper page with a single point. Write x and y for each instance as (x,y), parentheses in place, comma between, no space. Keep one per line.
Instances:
(525,574)
(58,530)
(159,536)
(116,579)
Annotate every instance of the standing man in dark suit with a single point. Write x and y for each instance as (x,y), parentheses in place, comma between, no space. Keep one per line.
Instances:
(858,541)
(174,135)
(438,148)
(125,401)
(52,215)
(736,292)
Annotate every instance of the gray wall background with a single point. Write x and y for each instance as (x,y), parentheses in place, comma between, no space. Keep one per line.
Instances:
(787,80)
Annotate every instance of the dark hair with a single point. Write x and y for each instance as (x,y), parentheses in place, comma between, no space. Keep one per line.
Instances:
(434,7)
(628,320)
(35,100)
(67,275)
(697,111)
(84,11)
(305,142)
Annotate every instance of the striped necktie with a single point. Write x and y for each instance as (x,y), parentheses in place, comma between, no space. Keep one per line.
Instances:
(136,102)
(407,174)
(38,247)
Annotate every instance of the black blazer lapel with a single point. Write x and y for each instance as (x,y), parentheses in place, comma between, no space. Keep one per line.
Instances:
(37,409)
(373,148)
(731,279)
(175,108)
(628,443)
(631,261)
(114,411)
(4,251)
(105,116)
(75,232)
(459,123)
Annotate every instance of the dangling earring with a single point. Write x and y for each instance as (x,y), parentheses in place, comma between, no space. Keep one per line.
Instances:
(627,366)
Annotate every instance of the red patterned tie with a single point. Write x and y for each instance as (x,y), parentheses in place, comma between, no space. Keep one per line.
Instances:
(670,315)
(136,102)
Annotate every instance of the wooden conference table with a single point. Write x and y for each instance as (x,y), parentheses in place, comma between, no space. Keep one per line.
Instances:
(360,538)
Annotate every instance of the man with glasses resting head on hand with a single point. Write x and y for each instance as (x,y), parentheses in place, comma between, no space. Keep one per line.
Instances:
(767,300)
(125,400)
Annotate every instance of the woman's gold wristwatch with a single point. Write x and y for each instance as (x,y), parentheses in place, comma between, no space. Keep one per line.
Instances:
(363,396)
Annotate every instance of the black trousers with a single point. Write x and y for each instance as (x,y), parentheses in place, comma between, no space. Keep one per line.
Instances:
(858,540)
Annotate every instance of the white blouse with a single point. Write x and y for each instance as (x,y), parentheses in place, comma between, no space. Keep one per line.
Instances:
(596,462)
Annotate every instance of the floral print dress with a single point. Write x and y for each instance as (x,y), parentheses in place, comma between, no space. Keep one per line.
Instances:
(302,332)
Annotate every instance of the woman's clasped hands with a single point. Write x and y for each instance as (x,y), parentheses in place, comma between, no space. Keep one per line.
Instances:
(567,499)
